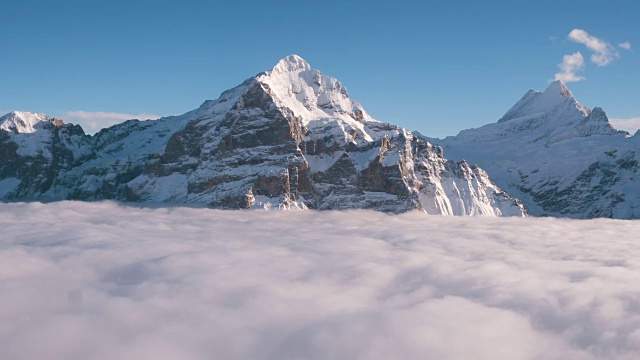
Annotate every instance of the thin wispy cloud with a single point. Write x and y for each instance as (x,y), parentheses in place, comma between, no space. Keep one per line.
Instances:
(105,281)
(631,124)
(625,45)
(569,66)
(603,52)
(93,121)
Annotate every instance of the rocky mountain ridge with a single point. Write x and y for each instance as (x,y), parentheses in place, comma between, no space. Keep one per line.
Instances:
(287,138)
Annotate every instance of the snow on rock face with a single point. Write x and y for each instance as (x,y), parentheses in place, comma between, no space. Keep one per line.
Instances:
(313,96)
(25,122)
(557,98)
(287,138)
(34,149)
(456,188)
(597,123)
(558,156)
(291,63)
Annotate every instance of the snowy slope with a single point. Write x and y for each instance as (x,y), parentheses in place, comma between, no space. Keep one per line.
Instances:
(287,138)
(557,155)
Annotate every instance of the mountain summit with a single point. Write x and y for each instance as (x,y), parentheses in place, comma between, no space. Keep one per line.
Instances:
(25,122)
(291,63)
(287,138)
(556,98)
(558,88)
(560,157)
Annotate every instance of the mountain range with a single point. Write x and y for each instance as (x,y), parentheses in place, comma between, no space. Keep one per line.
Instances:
(286,138)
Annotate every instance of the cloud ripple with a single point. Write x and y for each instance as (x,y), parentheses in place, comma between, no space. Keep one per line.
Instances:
(104,281)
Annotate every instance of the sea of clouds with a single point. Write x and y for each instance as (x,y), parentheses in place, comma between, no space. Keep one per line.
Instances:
(107,281)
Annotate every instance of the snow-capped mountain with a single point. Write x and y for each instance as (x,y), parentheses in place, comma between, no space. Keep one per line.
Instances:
(287,138)
(557,155)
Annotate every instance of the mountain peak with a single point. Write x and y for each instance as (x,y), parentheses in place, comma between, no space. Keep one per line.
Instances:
(599,112)
(557,98)
(25,122)
(597,123)
(311,95)
(558,88)
(15,113)
(292,63)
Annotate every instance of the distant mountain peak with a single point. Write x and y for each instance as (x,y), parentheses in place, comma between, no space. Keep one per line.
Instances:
(15,114)
(25,122)
(599,112)
(557,98)
(559,88)
(597,123)
(292,63)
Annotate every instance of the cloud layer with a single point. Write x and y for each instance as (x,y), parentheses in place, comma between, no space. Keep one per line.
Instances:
(92,122)
(103,281)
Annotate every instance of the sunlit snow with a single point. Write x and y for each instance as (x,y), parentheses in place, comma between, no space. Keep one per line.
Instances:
(105,281)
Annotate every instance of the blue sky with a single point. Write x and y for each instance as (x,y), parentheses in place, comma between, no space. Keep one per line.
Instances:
(432,66)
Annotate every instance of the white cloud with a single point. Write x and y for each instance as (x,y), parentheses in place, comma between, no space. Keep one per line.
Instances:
(604,53)
(625,45)
(92,122)
(631,125)
(103,281)
(569,66)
